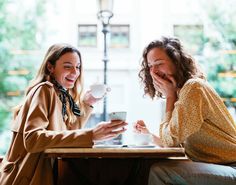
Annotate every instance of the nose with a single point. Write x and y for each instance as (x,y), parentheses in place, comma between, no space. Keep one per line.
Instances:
(154,68)
(75,71)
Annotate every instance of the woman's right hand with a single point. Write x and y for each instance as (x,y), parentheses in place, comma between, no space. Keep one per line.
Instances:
(166,84)
(108,130)
(90,100)
(140,127)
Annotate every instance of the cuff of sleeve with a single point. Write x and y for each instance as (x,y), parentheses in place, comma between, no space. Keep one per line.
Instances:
(90,133)
(88,138)
(167,116)
(165,136)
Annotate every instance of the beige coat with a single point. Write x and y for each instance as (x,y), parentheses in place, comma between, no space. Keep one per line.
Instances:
(38,126)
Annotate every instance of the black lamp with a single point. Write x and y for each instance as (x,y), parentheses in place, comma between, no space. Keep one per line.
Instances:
(104,15)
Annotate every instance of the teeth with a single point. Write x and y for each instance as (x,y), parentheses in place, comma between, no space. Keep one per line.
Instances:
(70,79)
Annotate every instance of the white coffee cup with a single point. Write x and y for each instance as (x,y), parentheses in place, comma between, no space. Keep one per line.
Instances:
(142,139)
(99,90)
(118,115)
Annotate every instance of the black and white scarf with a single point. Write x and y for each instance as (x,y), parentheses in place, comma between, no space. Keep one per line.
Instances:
(64,96)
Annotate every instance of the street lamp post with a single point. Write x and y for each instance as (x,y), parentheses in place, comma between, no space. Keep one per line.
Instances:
(105,14)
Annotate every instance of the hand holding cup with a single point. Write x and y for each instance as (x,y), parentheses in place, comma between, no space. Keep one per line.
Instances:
(99,90)
(96,93)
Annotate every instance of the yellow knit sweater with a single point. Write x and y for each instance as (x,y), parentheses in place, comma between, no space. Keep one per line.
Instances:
(201,121)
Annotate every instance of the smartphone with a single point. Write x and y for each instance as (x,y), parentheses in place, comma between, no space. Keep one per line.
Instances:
(120,115)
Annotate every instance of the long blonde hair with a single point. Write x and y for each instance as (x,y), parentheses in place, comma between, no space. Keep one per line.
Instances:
(43,74)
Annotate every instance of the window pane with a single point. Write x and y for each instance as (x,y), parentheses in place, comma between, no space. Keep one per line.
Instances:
(119,36)
(87,36)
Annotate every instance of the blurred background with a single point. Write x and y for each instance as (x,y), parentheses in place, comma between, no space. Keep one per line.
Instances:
(29,27)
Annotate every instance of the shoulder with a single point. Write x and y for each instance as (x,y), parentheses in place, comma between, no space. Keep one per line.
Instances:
(45,84)
(194,86)
(43,87)
(195,82)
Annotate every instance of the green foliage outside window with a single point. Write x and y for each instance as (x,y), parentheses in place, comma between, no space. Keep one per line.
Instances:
(215,48)
(221,46)
(192,37)
(17,34)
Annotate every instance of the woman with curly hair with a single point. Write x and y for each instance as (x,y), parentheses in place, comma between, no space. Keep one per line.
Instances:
(195,118)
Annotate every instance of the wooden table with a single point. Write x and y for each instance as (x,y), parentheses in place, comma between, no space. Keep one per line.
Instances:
(105,166)
(122,152)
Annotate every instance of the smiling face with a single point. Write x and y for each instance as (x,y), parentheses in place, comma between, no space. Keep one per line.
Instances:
(160,64)
(66,70)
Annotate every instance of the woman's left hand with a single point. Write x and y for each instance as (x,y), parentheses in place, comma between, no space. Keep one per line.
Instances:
(140,127)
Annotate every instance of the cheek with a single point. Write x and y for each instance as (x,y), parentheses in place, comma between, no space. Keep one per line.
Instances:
(78,74)
(163,69)
(61,76)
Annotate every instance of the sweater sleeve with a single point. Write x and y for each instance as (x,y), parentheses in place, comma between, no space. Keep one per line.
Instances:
(36,136)
(186,118)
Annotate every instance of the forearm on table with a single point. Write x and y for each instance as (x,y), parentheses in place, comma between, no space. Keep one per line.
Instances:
(156,140)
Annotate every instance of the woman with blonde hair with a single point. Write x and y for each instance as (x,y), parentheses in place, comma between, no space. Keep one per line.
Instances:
(52,115)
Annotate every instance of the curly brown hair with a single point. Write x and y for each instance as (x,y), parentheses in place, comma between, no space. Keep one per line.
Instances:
(186,66)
